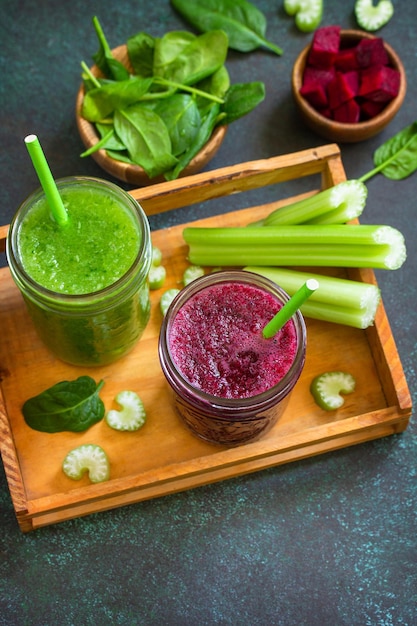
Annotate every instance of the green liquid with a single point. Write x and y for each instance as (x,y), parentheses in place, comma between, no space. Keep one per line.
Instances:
(89,316)
(92,251)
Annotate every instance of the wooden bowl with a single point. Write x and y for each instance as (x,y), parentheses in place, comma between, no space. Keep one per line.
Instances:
(346,132)
(126,172)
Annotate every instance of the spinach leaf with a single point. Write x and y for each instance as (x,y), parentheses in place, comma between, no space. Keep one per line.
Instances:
(67,406)
(146,138)
(203,135)
(168,47)
(111,67)
(244,24)
(396,158)
(241,98)
(120,156)
(112,143)
(100,102)
(191,61)
(140,49)
(217,83)
(182,119)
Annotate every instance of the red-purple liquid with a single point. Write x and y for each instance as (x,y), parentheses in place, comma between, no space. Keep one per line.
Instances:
(217,344)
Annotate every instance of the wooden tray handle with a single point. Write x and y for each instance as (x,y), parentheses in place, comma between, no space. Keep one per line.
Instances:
(324,160)
(3,235)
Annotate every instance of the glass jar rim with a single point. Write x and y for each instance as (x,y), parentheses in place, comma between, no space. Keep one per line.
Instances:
(64,298)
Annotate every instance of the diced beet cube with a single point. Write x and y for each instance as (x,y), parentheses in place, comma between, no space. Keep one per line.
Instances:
(348,112)
(326,112)
(339,90)
(315,81)
(346,60)
(369,108)
(317,75)
(325,46)
(379,83)
(371,52)
(315,94)
(352,79)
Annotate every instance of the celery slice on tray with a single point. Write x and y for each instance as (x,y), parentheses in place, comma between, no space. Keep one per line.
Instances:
(327,388)
(156,256)
(156,277)
(87,458)
(166,299)
(371,17)
(132,415)
(191,273)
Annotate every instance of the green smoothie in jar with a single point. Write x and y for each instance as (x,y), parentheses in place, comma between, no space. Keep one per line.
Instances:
(85,281)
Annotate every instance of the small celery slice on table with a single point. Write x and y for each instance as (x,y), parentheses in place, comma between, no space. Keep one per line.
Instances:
(308,13)
(371,17)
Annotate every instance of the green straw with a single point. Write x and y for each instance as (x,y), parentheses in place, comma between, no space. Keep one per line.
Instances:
(290,308)
(46,179)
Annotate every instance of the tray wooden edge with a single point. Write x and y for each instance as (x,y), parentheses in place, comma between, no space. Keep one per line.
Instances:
(11,463)
(385,352)
(312,442)
(324,160)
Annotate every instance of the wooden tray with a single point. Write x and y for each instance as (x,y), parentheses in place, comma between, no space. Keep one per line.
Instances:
(163,457)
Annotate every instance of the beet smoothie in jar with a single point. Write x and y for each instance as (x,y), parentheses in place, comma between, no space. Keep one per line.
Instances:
(230,384)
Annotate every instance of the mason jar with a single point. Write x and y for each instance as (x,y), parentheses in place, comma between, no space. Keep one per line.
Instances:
(85,283)
(226,420)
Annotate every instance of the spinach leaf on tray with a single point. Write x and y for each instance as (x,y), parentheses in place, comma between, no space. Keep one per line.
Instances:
(164,113)
(67,406)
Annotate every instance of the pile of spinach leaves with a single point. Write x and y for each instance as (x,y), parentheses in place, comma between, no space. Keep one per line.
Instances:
(161,115)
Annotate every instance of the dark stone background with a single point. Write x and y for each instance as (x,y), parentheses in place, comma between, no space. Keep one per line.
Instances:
(326,541)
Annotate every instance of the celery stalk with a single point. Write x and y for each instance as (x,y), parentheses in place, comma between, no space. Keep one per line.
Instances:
(340,215)
(356,318)
(335,205)
(339,245)
(338,300)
